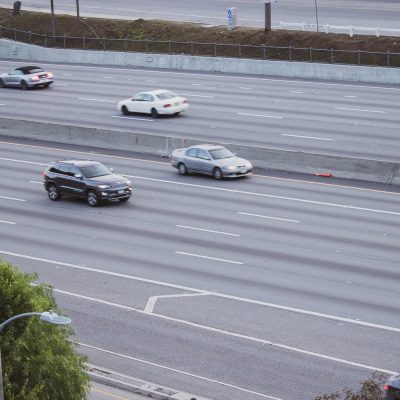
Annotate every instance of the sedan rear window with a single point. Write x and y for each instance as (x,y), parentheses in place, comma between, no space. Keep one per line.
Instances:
(217,154)
(165,95)
(95,170)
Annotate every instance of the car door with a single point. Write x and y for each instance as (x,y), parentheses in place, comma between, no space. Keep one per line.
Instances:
(204,162)
(191,159)
(137,104)
(76,183)
(13,78)
(148,103)
(61,178)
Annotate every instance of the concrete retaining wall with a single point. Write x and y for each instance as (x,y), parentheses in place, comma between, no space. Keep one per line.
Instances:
(293,161)
(21,51)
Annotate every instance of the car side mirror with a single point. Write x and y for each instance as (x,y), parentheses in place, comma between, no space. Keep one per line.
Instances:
(79,176)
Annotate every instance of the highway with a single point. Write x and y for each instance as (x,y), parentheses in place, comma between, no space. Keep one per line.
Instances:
(258,288)
(361,13)
(336,118)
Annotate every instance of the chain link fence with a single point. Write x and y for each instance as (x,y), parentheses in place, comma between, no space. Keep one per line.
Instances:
(258,52)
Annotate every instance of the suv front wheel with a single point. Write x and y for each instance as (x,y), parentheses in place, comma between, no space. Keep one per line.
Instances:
(53,193)
(92,199)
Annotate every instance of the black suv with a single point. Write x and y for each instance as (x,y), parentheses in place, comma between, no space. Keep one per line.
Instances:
(88,179)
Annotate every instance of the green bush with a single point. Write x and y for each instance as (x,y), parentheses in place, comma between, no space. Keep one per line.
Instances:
(38,361)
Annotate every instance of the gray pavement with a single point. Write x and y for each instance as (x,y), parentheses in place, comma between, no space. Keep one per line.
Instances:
(346,119)
(219,289)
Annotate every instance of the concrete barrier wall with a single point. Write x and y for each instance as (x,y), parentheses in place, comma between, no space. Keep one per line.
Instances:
(293,161)
(21,51)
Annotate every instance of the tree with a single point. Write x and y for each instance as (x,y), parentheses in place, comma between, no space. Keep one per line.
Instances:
(39,363)
(371,389)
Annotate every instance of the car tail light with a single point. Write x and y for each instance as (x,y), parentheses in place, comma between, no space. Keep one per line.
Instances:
(386,387)
(35,78)
(49,74)
(167,105)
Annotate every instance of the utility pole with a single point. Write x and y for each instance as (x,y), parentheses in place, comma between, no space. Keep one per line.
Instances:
(268,15)
(53,22)
(77,10)
(316,14)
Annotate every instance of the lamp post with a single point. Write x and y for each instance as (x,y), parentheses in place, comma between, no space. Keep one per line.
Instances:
(316,14)
(47,316)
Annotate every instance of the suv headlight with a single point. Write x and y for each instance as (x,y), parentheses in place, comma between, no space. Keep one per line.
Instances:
(103,186)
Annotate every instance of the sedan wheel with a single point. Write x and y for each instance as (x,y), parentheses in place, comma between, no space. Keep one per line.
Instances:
(124,110)
(182,169)
(1,83)
(154,113)
(53,194)
(92,199)
(217,174)
(24,85)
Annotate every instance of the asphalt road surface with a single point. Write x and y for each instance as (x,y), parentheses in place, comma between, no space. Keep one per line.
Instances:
(347,119)
(362,13)
(267,287)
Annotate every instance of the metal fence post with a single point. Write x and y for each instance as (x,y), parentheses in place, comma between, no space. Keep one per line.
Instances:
(215,49)
(310,54)
(65,44)
(30,37)
(240,51)
(104,43)
(331,55)
(45,40)
(388,58)
(264,51)
(358,57)
(290,53)
(191,48)
(169,47)
(84,42)
(147,45)
(125,45)
(15,34)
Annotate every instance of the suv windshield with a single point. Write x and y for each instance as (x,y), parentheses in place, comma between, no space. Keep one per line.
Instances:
(217,154)
(95,170)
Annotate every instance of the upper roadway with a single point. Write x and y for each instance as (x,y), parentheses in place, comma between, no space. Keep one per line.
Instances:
(335,118)
(258,288)
(359,13)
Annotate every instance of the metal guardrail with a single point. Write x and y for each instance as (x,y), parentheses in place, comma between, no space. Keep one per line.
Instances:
(351,30)
(260,52)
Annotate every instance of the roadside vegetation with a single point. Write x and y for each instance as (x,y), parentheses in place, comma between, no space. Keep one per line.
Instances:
(38,361)
(371,389)
(99,32)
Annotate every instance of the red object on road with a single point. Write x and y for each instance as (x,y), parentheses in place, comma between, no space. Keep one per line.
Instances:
(324,174)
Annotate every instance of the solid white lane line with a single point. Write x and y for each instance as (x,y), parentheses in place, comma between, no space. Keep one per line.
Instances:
(307,137)
(7,222)
(153,299)
(351,97)
(245,88)
(271,196)
(105,101)
(2,104)
(260,115)
(208,258)
(206,230)
(107,77)
(66,74)
(197,84)
(132,118)
(21,161)
(232,334)
(358,109)
(11,198)
(179,371)
(266,216)
(295,91)
(37,182)
(216,294)
(196,95)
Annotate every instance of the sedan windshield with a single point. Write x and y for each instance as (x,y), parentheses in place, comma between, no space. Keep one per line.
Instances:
(95,170)
(165,95)
(222,152)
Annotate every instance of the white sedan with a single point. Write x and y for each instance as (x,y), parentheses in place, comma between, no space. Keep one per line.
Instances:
(154,102)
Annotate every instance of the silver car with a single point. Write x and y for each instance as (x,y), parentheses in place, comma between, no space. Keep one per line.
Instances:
(26,77)
(210,160)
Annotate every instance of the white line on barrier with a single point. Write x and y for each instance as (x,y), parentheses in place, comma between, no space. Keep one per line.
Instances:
(307,137)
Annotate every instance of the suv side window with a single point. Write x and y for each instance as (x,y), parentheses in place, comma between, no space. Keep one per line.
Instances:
(191,153)
(64,169)
(74,170)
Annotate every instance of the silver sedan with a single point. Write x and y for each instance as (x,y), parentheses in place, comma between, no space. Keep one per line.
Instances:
(210,160)
(26,77)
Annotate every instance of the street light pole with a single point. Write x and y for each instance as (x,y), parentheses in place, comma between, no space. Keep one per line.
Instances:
(47,316)
(316,14)
(53,22)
